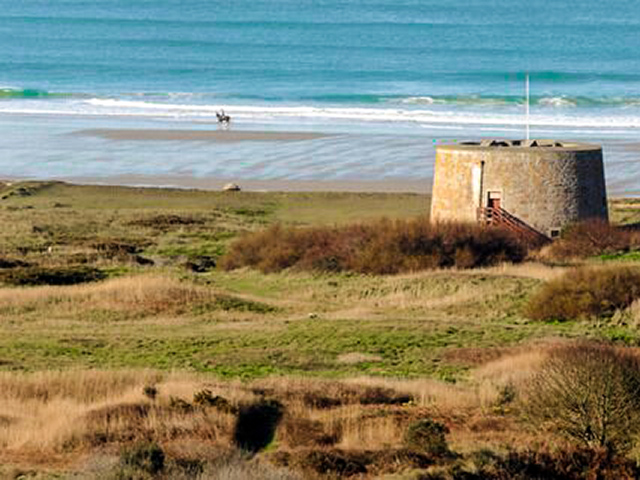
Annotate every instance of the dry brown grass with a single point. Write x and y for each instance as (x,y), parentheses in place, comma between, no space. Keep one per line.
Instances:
(52,415)
(49,416)
(530,269)
(58,412)
(516,367)
(139,294)
(353,358)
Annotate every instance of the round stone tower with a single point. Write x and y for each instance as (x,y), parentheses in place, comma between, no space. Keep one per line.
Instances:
(541,184)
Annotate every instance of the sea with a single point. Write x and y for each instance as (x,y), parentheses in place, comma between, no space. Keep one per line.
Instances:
(384,81)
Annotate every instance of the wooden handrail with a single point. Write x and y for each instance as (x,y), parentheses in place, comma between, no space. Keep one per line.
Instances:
(499,216)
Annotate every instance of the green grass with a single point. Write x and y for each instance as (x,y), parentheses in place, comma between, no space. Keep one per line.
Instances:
(249,338)
(70,218)
(621,257)
(285,323)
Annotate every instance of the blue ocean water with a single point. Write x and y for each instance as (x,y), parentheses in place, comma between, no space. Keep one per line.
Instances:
(389,79)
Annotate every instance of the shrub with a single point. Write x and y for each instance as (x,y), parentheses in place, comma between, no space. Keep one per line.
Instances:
(383,247)
(383,396)
(334,462)
(320,401)
(188,467)
(237,465)
(235,304)
(117,423)
(566,464)
(256,425)
(591,238)
(150,391)
(506,396)
(177,403)
(32,276)
(303,432)
(114,247)
(204,398)
(166,221)
(335,395)
(589,393)
(427,436)
(200,263)
(585,292)
(144,457)
(12,263)
(388,460)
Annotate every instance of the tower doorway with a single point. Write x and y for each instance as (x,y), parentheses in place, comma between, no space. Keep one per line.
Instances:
(494,200)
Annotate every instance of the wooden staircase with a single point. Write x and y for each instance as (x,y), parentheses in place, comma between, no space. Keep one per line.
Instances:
(500,217)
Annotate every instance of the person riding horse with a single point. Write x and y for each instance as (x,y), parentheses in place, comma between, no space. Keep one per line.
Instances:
(223,118)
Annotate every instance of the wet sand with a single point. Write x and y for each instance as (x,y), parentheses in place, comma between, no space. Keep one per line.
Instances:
(217,136)
(205,157)
(209,183)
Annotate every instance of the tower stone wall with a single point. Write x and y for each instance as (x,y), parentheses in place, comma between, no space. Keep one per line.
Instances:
(546,184)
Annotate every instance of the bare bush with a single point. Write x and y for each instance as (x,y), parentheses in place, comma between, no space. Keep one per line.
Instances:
(589,393)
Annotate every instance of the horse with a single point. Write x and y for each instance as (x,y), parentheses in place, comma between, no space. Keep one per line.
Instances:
(223,118)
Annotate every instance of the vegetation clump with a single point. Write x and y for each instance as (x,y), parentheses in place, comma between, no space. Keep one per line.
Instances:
(150,391)
(12,263)
(383,396)
(334,462)
(544,463)
(236,304)
(200,263)
(204,398)
(585,292)
(382,247)
(256,424)
(165,221)
(180,405)
(303,432)
(335,395)
(591,238)
(142,460)
(115,247)
(428,437)
(31,276)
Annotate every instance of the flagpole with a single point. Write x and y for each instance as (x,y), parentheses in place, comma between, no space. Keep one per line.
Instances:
(527,103)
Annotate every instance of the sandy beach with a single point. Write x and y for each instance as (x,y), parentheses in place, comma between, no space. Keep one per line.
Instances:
(259,158)
(217,136)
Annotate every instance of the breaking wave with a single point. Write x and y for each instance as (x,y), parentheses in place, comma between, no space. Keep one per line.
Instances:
(8,92)
(421,114)
(421,110)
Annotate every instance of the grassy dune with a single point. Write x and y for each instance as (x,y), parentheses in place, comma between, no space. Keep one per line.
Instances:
(245,324)
(332,348)
(65,415)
